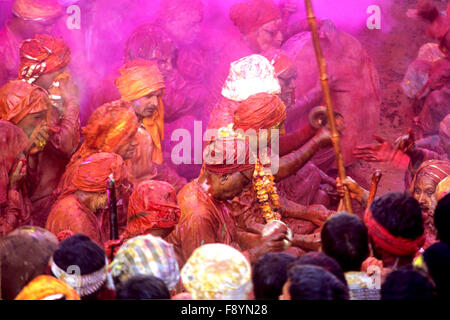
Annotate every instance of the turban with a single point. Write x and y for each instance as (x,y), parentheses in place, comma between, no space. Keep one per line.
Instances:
(443,188)
(260,111)
(217,272)
(37,10)
(227,155)
(92,175)
(437,170)
(138,79)
(248,76)
(147,255)
(152,205)
(396,246)
(81,264)
(149,42)
(19,99)
(42,54)
(282,62)
(12,141)
(47,288)
(109,128)
(250,15)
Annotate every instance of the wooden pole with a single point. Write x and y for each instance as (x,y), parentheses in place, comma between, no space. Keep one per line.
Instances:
(373,187)
(327,98)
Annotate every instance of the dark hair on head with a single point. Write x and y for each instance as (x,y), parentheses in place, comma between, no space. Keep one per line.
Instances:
(399,213)
(442,219)
(309,282)
(143,287)
(345,238)
(405,283)
(320,259)
(79,250)
(437,259)
(269,275)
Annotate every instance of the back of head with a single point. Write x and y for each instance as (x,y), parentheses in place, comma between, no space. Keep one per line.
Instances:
(143,287)
(399,213)
(24,255)
(270,274)
(406,283)
(442,219)
(314,283)
(395,225)
(322,260)
(345,238)
(437,259)
(81,263)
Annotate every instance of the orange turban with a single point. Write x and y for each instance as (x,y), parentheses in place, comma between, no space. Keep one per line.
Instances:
(92,174)
(109,127)
(153,205)
(138,79)
(42,54)
(250,15)
(19,99)
(37,10)
(45,288)
(260,111)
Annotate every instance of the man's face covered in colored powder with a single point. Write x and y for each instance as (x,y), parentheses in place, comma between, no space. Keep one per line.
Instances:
(146,106)
(424,193)
(287,82)
(266,37)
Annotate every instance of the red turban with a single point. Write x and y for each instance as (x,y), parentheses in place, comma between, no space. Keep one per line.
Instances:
(19,99)
(37,10)
(227,155)
(250,15)
(260,111)
(437,170)
(153,205)
(109,128)
(42,54)
(138,79)
(282,62)
(396,246)
(92,174)
(12,141)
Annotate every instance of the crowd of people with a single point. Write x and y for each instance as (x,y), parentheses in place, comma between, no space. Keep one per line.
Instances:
(94,207)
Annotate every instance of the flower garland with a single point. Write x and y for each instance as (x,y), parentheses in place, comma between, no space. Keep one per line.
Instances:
(263,184)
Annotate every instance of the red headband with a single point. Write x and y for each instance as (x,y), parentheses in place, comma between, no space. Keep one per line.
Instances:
(396,246)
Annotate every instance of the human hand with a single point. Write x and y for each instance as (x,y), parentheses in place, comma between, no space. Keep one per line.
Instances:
(356,191)
(18,174)
(375,152)
(39,140)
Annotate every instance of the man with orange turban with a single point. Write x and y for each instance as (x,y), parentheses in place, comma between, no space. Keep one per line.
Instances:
(152,209)
(78,207)
(142,84)
(206,215)
(43,103)
(29,17)
(262,112)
